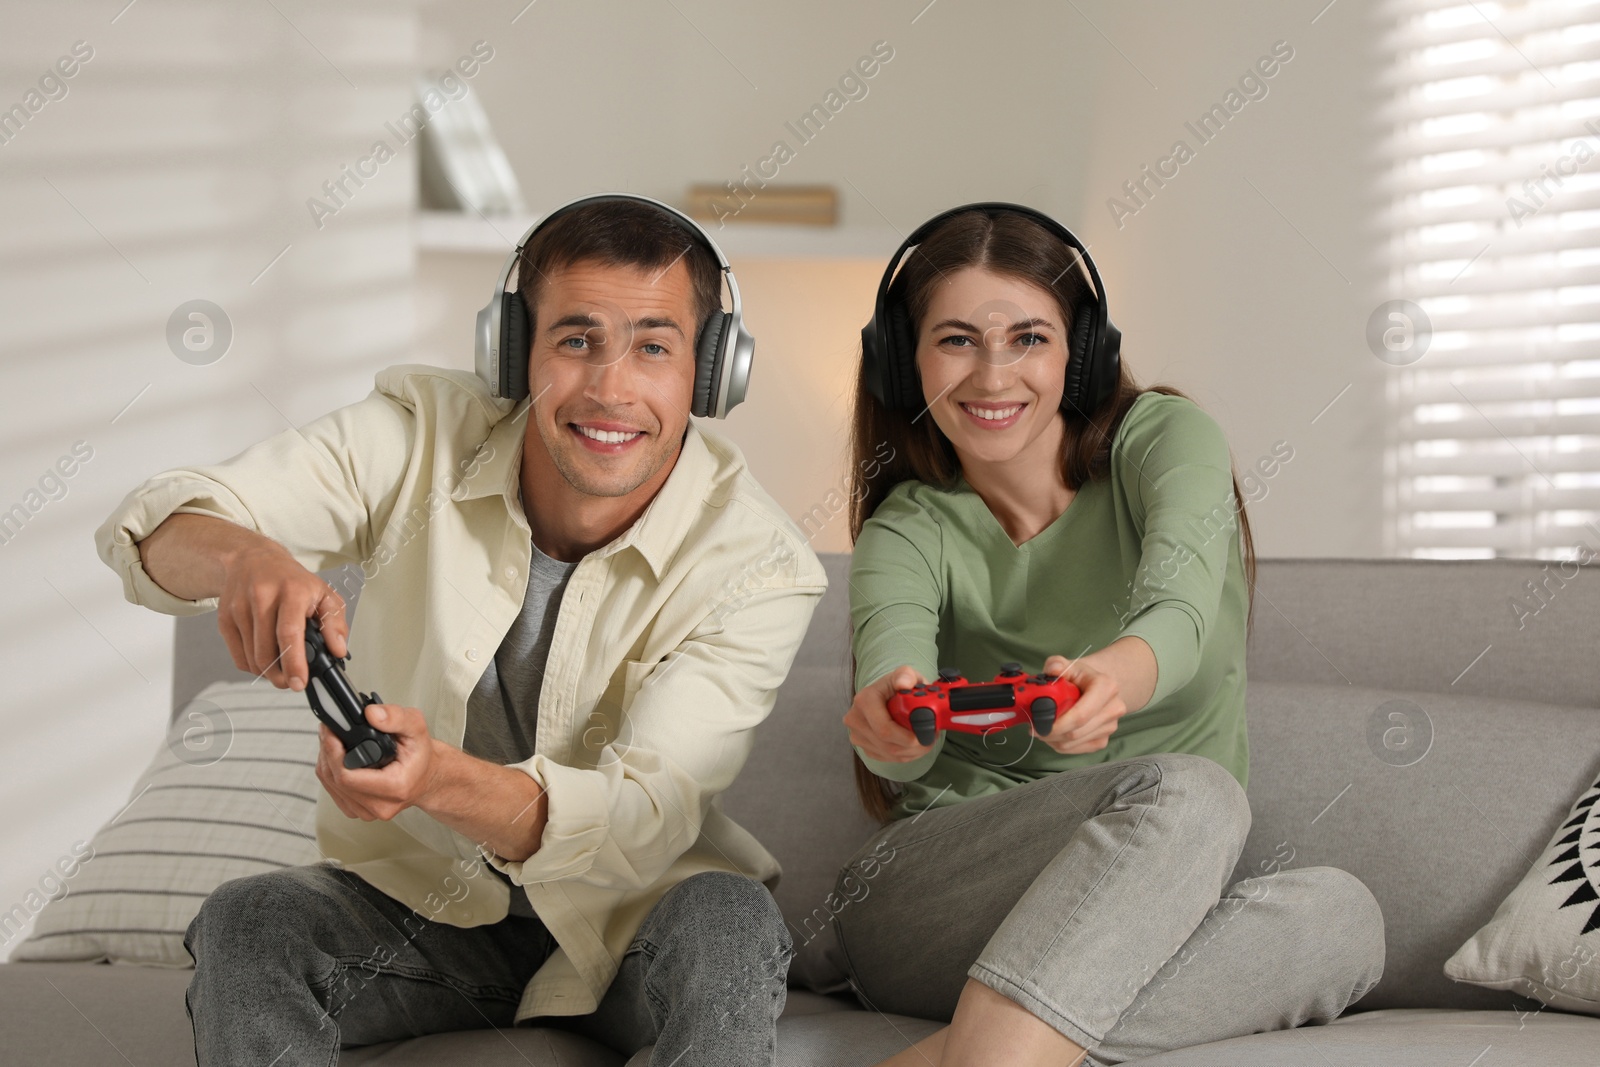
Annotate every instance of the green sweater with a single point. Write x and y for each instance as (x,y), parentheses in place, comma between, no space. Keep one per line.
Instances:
(1153,550)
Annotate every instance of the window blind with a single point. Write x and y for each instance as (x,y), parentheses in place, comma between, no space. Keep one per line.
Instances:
(1491,158)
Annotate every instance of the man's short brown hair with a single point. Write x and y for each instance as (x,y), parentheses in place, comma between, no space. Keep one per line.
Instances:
(619,233)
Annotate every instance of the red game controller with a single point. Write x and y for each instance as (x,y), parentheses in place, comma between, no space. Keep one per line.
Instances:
(1014,698)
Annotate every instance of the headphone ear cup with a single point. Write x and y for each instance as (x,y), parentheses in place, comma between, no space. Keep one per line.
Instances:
(514,345)
(1074,396)
(872,360)
(900,362)
(708,362)
(1110,362)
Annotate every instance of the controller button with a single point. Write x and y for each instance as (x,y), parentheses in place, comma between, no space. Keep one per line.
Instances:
(1010,670)
(949,674)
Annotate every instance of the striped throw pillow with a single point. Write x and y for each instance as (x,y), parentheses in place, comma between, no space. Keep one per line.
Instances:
(231,793)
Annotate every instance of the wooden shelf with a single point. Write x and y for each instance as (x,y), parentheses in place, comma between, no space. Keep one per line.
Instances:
(453,231)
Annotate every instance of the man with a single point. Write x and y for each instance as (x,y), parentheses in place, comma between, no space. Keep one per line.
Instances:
(578,606)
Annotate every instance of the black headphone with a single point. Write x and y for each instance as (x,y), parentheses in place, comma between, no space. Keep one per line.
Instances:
(723,347)
(888,349)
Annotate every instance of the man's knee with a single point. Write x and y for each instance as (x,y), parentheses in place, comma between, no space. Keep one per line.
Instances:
(246,918)
(729,923)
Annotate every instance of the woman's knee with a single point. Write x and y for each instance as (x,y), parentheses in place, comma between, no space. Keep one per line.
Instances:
(1350,898)
(1337,907)
(1204,784)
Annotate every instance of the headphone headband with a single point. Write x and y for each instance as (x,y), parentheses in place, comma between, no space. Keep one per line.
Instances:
(724,349)
(1093,367)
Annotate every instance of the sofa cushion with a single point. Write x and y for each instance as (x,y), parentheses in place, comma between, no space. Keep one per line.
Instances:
(796,793)
(1402,1037)
(1544,939)
(94,1015)
(230,793)
(111,1015)
(849,1038)
(1438,802)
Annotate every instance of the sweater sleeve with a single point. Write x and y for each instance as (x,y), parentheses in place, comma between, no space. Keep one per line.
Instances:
(1173,460)
(895,597)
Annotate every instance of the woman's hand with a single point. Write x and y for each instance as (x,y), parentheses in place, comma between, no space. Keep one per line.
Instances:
(1087,726)
(874,730)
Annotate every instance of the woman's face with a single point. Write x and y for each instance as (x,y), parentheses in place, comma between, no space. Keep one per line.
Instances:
(993,358)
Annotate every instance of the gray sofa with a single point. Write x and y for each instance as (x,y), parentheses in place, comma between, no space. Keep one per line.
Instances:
(1507,718)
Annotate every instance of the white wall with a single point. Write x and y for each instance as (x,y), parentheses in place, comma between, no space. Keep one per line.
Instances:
(177,166)
(1254,302)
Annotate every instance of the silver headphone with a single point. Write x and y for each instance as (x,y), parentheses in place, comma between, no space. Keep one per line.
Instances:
(724,349)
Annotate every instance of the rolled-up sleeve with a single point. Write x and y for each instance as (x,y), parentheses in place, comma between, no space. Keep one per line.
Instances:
(1179,475)
(319,490)
(895,597)
(684,736)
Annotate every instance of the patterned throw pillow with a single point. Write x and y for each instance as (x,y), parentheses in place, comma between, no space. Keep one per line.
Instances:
(232,792)
(1544,939)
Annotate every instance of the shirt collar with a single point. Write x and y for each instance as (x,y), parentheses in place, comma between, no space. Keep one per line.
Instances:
(657,532)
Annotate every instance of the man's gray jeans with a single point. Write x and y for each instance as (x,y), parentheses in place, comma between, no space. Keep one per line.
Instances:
(1097,898)
(293,964)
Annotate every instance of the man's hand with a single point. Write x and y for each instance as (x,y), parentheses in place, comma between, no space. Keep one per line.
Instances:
(1087,726)
(501,808)
(264,596)
(262,610)
(369,793)
(871,726)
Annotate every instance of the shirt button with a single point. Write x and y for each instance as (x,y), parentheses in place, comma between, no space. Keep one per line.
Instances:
(472,654)
(511,573)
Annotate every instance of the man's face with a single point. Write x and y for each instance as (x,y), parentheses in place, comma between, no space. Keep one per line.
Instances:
(611,368)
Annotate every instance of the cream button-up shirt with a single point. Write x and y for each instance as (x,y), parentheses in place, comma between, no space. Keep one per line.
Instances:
(669,647)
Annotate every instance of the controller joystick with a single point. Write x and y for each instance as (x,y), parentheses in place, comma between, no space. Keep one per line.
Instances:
(364,744)
(925,724)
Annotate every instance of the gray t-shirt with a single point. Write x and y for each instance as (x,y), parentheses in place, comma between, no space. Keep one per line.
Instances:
(503,708)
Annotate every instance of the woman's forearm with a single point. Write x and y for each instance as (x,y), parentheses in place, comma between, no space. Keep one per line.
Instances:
(1133,664)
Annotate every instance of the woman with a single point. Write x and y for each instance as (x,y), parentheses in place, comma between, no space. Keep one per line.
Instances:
(1018,497)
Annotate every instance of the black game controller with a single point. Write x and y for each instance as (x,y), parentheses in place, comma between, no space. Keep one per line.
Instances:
(364,744)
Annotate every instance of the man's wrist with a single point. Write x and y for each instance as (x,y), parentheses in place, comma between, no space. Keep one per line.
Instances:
(444,770)
(467,794)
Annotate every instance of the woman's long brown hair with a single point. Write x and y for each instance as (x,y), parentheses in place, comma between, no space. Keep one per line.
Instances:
(1015,245)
